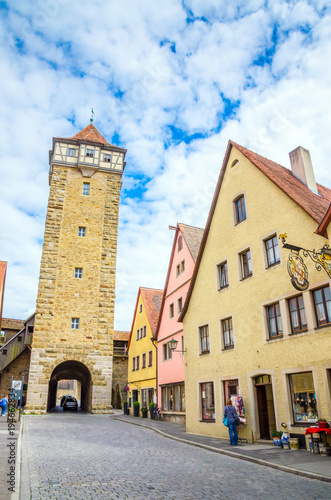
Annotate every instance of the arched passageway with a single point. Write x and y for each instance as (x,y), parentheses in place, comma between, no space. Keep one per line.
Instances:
(71,370)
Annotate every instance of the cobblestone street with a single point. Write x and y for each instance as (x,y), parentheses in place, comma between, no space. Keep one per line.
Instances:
(68,456)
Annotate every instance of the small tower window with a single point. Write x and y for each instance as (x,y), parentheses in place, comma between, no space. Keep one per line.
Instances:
(78,272)
(107,158)
(89,153)
(71,152)
(86,188)
(74,323)
(82,231)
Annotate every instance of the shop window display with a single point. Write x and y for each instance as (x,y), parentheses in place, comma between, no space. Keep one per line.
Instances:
(208,401)
(303,398)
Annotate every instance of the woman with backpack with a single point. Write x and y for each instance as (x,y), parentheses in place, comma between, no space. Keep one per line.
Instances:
(232,418)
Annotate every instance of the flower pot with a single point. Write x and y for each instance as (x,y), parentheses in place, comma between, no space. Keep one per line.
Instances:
(152,416)
(285,440)
(323,425)
(136,411)
(277,442)
(294,443)
(144,414)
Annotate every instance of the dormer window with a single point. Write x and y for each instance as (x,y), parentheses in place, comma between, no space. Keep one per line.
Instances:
(71,152)
(89,153)
(107,158)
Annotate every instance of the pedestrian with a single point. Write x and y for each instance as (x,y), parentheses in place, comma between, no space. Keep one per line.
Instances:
(232,417)
(3,404)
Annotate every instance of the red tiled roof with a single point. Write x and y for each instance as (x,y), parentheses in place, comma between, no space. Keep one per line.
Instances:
(152,299)
(120,335)
(322,228)
(314,205)
(193,237)
(12,324)
(90,134)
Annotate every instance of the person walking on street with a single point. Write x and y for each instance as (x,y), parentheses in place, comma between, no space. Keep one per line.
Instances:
(231,414)
(3,404)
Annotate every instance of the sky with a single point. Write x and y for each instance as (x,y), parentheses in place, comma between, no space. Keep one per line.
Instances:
(171,82)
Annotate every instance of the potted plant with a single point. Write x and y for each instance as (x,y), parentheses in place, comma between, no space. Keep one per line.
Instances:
(151,410)
(276,436)
(322,423)
(136,408)
(144,412)
(285,437)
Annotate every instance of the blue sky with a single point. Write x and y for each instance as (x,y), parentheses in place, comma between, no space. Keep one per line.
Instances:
(172,82)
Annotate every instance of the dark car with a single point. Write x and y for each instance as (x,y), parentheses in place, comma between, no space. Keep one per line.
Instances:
(64,398)
(70,404)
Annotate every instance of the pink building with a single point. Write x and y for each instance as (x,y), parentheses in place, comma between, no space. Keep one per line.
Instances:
(171,364)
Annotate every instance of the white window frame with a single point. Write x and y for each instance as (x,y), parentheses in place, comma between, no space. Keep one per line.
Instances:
(74,323)
(85,188)
(78,273)
(83,228)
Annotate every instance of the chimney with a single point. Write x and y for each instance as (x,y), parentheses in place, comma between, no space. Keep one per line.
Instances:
(302,167)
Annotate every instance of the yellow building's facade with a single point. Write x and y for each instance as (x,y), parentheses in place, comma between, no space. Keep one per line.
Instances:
(249,333)
(141,349)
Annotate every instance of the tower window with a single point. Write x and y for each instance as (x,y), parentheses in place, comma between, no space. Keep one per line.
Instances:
(74,323)
(71,152)
(86,188)
(82,231)
(107,158)
(89,153)
(78,272)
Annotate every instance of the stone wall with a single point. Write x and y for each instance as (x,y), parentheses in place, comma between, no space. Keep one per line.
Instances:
(17,370)
(120,375)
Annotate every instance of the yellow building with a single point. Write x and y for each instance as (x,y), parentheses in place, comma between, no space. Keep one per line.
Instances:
(142,348)
(250,335)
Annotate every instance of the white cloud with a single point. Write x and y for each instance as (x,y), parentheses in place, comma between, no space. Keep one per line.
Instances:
(152,79)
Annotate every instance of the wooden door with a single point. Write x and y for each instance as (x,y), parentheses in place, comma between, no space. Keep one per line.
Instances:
(262,407)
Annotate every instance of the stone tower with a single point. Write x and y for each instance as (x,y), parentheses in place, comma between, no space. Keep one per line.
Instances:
(73,330)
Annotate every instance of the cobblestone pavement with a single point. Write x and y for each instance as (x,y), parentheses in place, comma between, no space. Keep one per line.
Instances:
(81,456)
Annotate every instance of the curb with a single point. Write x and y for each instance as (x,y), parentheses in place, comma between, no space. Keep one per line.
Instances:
(258,461)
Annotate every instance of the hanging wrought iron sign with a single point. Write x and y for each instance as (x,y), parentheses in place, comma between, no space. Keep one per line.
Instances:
(296,267)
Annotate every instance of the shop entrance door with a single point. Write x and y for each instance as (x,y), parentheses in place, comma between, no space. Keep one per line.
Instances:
(134,396)
(265,405)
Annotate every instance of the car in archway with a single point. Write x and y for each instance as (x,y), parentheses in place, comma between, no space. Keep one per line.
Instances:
(64,398)
(70,404)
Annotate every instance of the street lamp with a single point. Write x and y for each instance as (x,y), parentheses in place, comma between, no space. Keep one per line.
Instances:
(173,344)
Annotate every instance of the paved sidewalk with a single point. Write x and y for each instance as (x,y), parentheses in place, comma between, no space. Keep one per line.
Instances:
(8,451)
(299,462)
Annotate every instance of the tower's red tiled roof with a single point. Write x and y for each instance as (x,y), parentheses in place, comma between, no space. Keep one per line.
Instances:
(313,204)
(193,237)
(152,299)
(90,134)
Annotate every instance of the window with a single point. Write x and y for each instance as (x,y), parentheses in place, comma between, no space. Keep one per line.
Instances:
(71,152)
(182,344)
(82,231)
(272,251)
(141,308)
(222,271)
(171,311)
(180,268)
(137,362)
(303,397)
(144,331)
(173,398)
(78,272)
(180,305)
(143,360)
(246,264)
(138,334)
(3,333)
(89,153)
(322,301)
(150,358)
(274,321)
(133,364)
(231,388)
(204,339)
(227,333)
(180,243)
(207,401)
(167,352)
(240,209)
(297,314)
(74,323)
(141,333)
(86,188)
(107,158)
